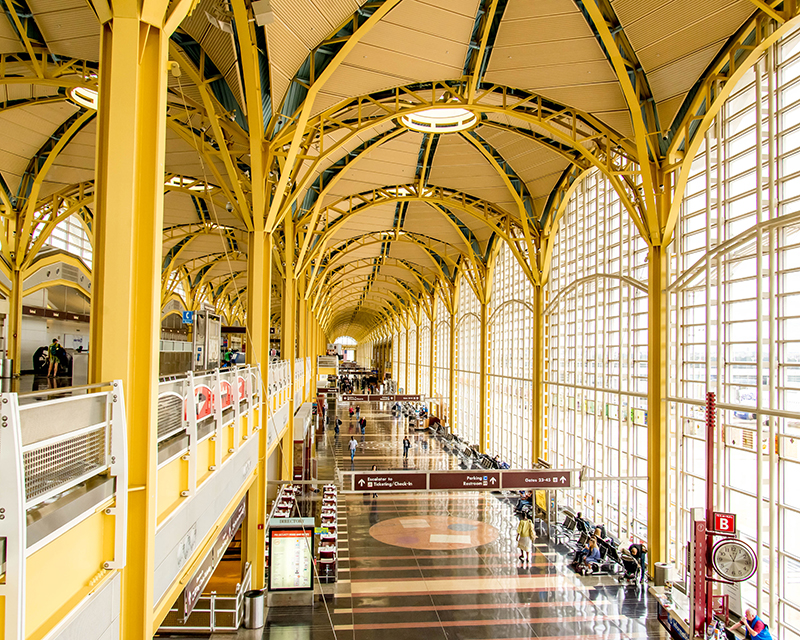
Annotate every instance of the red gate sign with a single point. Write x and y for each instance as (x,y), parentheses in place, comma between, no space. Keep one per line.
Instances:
(724,522)
(380,481)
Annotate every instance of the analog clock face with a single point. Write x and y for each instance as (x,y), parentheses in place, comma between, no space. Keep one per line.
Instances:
(733,560)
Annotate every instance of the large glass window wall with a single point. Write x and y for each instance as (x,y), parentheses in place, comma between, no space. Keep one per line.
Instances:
(735,331)
(468,331)
(425,357)
(442,358)
(596,369)
(511,378)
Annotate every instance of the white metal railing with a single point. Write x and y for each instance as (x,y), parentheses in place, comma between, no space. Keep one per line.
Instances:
(219,399)
(48,446)
(279,374)
(213,612)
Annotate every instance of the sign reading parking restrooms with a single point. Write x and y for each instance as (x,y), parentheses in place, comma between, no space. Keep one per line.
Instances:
(472,480)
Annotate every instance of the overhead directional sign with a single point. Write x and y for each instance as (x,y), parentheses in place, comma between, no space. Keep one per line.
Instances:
(381,398)
(455,480)
(539,479)
(377,481)
(470,480)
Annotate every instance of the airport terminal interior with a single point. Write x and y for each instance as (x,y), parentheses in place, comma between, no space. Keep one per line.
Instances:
(388,319)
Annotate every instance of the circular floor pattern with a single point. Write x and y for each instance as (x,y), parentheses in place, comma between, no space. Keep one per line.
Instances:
(434,532)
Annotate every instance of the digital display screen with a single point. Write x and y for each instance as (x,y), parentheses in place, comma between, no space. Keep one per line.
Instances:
(291,557)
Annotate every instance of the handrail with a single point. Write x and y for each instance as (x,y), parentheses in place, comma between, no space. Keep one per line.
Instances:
(46,452)
(62,390)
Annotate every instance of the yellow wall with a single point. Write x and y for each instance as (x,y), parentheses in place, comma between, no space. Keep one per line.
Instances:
(205,458)
(172,479)
(62,573)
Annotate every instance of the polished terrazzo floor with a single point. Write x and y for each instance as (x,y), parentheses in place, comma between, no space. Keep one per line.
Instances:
(443,566)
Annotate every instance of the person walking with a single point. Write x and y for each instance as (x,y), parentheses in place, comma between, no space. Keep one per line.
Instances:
(406,447)
(358,411)
(374,468)
(52,351)
(338,424)
(353,446)
(363,424)
(524,541)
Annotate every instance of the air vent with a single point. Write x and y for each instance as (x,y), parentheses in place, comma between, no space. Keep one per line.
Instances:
(170,415)
(68,272)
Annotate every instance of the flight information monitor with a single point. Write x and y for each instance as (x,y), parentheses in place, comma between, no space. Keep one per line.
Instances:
(291,558)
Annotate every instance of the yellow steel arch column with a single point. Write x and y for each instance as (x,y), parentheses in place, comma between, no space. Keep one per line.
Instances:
(432,348)
(15,320)
(126,300)
(288,331)
(302,336)
(483,383)
(259,286)
(259,283)
(405,382)
(657,427)
(451,383)
(418,325)
(539,436)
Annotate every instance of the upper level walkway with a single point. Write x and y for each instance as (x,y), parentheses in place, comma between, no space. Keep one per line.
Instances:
(443,566)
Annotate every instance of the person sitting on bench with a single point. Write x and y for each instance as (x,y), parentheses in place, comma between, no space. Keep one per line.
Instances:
(581,524)
(587,560)
(525,499)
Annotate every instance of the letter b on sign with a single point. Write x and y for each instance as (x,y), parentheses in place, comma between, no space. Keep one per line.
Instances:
(724,522)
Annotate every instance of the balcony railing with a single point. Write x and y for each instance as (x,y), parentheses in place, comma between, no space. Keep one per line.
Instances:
(61,459)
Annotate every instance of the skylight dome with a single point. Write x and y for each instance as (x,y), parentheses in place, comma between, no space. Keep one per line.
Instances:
(85,97)
(443,120)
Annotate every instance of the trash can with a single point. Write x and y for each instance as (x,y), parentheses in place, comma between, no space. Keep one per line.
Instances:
(6,368)
(663,573)
(254,609)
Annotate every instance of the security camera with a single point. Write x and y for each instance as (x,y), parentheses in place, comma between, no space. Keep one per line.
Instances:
(229,207)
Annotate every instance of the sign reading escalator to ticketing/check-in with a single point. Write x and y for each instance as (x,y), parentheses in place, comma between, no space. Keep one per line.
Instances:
(388,481)
(470,480)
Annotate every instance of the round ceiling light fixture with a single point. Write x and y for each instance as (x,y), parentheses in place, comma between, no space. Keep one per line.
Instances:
(85,97)
(441,120)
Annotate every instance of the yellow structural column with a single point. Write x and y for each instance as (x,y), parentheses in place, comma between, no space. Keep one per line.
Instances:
(302,336)
(432,348)
(537,363)
(288,332)
(418,342)
(259,281)
(405,382)
(128,222)
(657,427)
(451,384)
(15,320)
(484,379)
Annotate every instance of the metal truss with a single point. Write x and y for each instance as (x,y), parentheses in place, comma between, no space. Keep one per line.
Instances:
(445,201)
(567,128)
(708,95)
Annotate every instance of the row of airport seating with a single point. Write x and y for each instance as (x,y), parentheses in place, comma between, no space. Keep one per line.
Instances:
(574,533)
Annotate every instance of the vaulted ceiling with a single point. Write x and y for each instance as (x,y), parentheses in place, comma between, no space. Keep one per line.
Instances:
(383,214)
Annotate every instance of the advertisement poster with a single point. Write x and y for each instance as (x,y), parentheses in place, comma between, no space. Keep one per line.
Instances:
(290,559)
